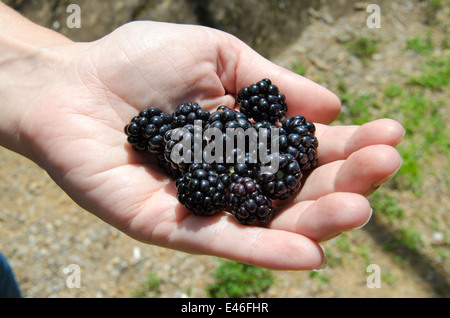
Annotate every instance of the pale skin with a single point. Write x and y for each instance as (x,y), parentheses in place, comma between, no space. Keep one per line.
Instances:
(65,104)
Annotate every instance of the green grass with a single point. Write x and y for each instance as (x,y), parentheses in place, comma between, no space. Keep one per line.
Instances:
(426,135)
(233,279)
(393,90)
(321,277)
(420,45)
(412,103)
(343,243)
(363,47)
(388,277)
(406,237)
(418,103)
(435,74)
(299,68)
(359,108)
(150,288)
(386,204)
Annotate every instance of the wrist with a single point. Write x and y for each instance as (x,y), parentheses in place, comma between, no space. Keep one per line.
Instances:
(28,66)
(26,72)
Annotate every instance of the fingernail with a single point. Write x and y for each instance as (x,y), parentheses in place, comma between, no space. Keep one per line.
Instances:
(384,180)
(323,266)
(332,236)
(370,216)
(389,177)
(403,136)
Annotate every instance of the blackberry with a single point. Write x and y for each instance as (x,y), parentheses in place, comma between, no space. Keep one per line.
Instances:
(262,102)
(273,134)
(301,141)
(146,130)
(168,166)
(201,190)
(185,142)
(226,119)
(283,183)
(237,181)
(243,169)
(247,203)
(187,113)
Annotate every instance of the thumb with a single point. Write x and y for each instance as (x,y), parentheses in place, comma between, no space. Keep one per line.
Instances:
(243,66)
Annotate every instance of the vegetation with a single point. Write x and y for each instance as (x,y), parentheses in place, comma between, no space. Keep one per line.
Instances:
(150,288)
(233,279)
(364,47)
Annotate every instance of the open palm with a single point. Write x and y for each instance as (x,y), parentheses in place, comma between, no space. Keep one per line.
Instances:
(75,132)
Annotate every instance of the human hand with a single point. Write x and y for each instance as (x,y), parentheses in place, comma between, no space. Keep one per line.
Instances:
(74,130)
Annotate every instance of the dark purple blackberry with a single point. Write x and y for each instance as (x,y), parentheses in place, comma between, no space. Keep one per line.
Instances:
(232,125)
(183,147)
(146,130)
(224,118)
(274,135)
(168,166)
(188,113)
(243,169)
(201,190)
(301,141)
(247,203)
(262,102)
(284,182)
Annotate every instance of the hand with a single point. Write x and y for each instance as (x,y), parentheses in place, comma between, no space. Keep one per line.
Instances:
(74,130)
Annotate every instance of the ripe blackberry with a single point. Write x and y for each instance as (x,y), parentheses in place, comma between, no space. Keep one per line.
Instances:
(201,190)
(183,147)
(275,135)
(168,166)
(301,141)
(237,181)
(226,120)
(283,183)
(247,203)
(243,169)
(146,130)
(187,113)
(262,102)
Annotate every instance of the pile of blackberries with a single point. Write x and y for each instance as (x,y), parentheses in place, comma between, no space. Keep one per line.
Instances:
(230,160)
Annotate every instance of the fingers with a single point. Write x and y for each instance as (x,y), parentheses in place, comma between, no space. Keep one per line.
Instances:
(338,142)
(221,236)
(362,172)
(367,169)
(325,218)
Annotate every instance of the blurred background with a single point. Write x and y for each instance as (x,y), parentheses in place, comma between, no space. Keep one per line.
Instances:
(398,68)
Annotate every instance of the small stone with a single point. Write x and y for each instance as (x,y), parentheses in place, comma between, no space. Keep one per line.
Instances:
(438,239)
(137,253)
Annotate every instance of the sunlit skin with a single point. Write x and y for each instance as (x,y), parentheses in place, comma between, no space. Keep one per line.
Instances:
(67,104)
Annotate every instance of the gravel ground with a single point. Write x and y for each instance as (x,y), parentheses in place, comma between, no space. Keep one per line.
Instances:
(43,231)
